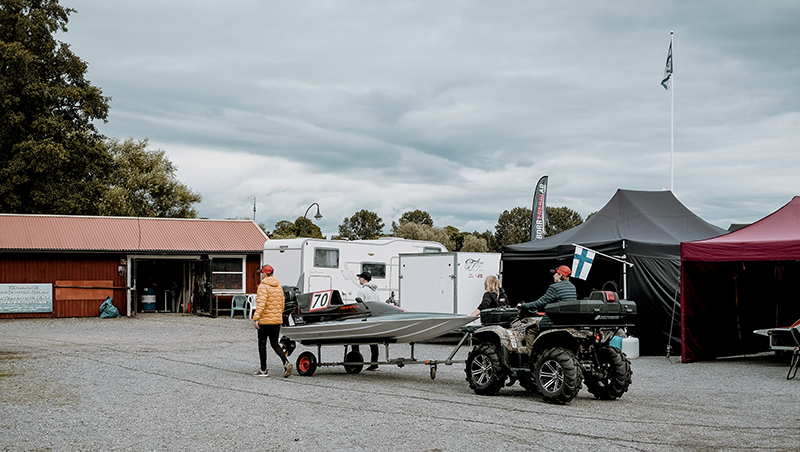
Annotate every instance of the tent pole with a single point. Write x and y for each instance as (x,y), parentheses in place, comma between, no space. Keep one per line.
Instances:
(624,275)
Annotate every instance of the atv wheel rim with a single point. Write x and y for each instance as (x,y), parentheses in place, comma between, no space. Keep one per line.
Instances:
(481,369)
(551,376)
(304,364)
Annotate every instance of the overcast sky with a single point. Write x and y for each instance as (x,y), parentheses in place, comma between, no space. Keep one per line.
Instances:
(455,108)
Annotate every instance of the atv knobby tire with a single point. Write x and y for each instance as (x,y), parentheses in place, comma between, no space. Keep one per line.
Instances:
(485,373)
(558,375)
(614,374)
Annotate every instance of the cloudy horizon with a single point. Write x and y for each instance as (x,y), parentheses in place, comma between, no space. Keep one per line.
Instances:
(455,108)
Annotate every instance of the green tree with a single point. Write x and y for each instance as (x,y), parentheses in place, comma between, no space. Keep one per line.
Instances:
(306,228)
(302,227)
(560,219)
(284,229)
(513,226)
(143,184)
(414,231)
(420,217)
(474,244)
(491,240)
(52,159)
(363,225)
(456,237)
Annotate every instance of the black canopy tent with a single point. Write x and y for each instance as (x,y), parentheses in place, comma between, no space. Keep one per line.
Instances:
(645,228)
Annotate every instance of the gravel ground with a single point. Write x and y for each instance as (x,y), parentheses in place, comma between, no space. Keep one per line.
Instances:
(176,382)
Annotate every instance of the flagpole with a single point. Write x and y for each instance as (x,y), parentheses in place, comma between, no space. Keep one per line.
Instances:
(672,123)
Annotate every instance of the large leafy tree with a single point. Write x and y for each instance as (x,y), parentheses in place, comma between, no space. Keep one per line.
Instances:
(302,227)
(420,217)
(490,239)
(475,244)
(52,159)
(513,226)
(363,225)
(560,219)
(416,231)
(143,184)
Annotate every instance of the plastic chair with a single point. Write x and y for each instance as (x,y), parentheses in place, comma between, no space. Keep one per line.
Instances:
(239,303)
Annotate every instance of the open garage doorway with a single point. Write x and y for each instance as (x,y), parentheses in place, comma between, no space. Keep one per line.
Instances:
(161,285)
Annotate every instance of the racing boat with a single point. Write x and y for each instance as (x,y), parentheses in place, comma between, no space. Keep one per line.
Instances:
(322,318)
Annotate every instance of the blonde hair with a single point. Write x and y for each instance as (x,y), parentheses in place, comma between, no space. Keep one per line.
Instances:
(492,284)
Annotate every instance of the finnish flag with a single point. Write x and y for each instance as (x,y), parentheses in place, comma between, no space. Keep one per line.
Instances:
(582,262)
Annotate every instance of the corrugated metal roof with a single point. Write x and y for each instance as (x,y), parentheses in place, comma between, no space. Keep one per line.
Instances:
(84,233)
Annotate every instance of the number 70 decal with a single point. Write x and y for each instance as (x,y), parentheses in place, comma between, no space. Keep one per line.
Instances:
(320,300)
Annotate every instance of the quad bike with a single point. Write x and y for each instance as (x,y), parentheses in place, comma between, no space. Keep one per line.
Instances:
(556,362)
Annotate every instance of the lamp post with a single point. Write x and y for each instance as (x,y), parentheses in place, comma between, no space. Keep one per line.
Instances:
(318,216)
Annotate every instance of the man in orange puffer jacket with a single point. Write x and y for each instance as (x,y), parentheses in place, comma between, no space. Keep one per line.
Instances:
(268,318)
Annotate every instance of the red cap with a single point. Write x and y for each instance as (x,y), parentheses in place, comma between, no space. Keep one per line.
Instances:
(563,270)
(267,269)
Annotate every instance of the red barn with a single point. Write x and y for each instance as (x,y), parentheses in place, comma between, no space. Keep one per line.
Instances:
(65,266)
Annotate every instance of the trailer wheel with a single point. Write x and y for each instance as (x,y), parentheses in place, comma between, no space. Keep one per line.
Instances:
(354,357)
(306,364)
(558,375)
(613,377)
(485,373)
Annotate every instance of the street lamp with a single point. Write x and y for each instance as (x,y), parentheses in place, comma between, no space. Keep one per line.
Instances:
(318,216)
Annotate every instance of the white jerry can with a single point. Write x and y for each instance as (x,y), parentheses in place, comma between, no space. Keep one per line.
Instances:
(630,346)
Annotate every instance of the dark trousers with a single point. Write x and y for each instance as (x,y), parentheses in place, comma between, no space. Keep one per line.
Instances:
(373,352)
(270,332)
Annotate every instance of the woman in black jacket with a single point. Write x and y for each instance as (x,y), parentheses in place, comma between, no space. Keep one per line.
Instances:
(494,297)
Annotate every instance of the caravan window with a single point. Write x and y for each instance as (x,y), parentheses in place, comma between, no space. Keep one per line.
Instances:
(326,257)
(227,274)
(376,269)
(430,249)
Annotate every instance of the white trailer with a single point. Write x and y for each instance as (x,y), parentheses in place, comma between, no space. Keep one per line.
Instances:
(317,264)
(449,282)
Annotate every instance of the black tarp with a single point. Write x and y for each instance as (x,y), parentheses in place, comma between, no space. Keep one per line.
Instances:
(645,227)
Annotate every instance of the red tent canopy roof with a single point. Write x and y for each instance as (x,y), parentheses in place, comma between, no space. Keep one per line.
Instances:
(774,237)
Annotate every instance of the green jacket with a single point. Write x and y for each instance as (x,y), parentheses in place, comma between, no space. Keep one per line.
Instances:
(560,291)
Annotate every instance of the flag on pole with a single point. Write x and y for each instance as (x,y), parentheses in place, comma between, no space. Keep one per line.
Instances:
(582,262)
(668,69)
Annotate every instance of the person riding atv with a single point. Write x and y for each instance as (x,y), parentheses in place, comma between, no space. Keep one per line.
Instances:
(556,362)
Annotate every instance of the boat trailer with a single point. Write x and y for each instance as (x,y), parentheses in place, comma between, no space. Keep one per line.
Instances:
(353,362)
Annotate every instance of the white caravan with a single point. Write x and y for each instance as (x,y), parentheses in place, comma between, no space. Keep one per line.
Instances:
(317,264)
(449,282)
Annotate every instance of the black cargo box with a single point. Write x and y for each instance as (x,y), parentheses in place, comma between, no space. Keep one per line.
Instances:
(602,308)
(498,316)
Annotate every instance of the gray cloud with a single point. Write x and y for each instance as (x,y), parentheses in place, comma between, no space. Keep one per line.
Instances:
(456,108)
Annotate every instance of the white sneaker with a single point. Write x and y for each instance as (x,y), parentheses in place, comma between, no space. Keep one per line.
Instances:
(262,373)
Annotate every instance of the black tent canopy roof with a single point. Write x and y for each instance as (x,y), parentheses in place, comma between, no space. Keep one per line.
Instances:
(651,223)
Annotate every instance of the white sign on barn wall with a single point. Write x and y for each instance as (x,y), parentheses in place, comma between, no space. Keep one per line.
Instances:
(26,298)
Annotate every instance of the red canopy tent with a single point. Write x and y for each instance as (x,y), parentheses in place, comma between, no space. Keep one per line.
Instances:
(738,282)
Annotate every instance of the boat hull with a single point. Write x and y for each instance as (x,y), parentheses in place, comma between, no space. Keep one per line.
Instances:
(394,328)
